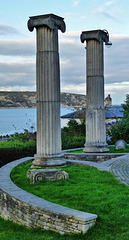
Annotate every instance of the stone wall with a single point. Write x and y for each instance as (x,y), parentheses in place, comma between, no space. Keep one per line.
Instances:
(94,157)
(32,211)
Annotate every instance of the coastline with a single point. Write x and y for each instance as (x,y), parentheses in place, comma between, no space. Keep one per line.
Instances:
(14,120)
(15,107)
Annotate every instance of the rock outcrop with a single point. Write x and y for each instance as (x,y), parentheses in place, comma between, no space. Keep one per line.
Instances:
(28,100)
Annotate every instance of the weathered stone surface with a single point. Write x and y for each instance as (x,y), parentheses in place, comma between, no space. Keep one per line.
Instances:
(52,21)
(93,157)
(49,161)
(120,144)
(48,174)
(28,100)
(48,83)
(32,211)
(95,112)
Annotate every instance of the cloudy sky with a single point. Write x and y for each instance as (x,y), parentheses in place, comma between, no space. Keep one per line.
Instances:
(17,44)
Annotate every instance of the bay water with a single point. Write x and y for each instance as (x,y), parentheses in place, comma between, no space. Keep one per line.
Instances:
(18,119)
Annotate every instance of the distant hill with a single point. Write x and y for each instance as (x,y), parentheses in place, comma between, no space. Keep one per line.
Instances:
(28,100)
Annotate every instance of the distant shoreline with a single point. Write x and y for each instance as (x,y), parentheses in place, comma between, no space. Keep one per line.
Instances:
(28,100)
(35,107)
(17,107)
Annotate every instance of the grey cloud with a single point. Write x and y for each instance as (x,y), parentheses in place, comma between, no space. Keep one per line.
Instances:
(73,62)
(17,74)
(14,67)
(117,60)
(6,29)
(17,47)
(20,79)
(72,54)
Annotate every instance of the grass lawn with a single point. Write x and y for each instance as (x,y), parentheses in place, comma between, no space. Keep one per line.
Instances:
(13,231)
(87,189)
(111,150)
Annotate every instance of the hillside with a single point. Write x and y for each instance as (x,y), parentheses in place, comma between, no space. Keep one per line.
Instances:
(28,100)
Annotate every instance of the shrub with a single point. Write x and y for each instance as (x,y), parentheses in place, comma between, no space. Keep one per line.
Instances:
(74,128)
(69,142)
(73,136)
(12,150)
(120,130)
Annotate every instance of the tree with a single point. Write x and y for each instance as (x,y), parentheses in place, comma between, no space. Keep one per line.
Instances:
(125,107)
(120,130)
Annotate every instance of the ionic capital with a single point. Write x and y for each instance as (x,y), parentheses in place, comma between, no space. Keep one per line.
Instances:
(50,20)
(99,35)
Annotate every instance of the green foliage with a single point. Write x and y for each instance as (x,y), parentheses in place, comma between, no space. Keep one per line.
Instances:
(73,136)
(75,151)
(81,114)
(125,107)
(111,150)
(89,190)
(12,150)
(22,137)
(22,145)
(74,128)
(13,231)
(72,142)
(120,130)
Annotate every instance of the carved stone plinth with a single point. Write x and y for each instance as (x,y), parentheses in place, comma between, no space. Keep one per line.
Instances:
(48,174)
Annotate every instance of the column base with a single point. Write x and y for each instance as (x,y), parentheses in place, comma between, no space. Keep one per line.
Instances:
(48,161)
(94,148)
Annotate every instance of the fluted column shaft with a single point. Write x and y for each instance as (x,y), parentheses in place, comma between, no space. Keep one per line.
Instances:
(95,113)
(48,92)
(47,83)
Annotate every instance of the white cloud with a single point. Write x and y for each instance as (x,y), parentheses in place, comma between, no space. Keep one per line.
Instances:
(17,88)
(109,3)
(81,89)
(108,10)
(117,91)
(75,3)
(123,86)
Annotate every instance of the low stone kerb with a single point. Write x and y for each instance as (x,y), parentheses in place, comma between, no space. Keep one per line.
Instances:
(27,209)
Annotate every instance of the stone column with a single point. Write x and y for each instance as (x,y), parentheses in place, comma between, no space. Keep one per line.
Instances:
(48,84)
(95,113)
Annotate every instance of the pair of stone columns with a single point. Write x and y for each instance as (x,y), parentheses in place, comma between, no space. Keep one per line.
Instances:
(48,86)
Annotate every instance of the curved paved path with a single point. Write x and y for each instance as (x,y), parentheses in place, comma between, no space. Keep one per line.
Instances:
(120,169)
(119,166)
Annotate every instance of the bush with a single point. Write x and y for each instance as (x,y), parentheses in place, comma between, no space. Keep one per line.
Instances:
(69,142)
(73,136)
(74,128)
(23,145)
(12,150)
(120,130)
(23,137)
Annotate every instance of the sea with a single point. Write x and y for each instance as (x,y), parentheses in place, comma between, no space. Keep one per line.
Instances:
(14,120)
